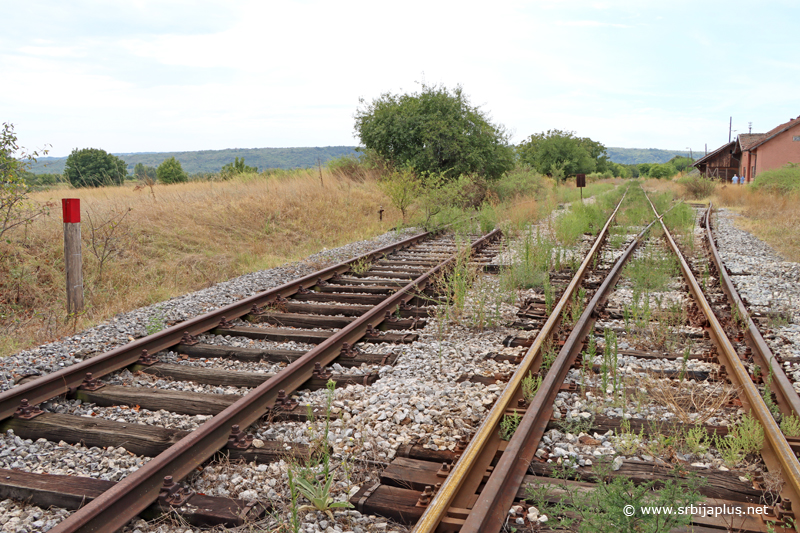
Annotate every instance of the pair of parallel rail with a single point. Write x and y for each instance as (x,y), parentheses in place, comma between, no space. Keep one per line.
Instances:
(475,488)
(395,285)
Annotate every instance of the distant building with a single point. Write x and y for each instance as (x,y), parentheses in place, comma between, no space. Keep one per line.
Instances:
(764,151)
(753,153)
(720,164)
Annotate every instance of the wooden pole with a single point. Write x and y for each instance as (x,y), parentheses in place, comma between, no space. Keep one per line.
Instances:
(73,262)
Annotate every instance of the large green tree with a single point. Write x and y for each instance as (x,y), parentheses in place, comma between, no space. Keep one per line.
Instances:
(435,130)
(171,171)
(93,167)
(561,153)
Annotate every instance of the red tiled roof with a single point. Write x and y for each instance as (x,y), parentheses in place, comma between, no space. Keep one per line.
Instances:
(773,132)
(747,140)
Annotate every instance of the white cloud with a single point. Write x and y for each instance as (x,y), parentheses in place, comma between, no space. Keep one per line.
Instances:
(148,75)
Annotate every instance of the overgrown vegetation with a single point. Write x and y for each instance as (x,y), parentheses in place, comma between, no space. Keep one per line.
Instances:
(784,180)
(697,186)
(606,508)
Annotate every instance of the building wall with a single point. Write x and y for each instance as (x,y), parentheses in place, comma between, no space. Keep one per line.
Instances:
(744,166)
(778,151)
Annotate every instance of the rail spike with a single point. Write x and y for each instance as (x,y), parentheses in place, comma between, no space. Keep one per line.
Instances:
(26,411)
(188,339)
(173,494)
(321,373)
(147,359)
(238,439)
(90,383)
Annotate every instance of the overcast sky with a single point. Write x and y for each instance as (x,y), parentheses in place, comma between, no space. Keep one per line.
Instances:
(144,76)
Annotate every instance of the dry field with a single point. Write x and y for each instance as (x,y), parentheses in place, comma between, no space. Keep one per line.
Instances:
(142,246)
(151,245)
(774,218)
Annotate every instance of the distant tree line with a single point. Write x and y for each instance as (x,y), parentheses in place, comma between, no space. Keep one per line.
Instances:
(212,161)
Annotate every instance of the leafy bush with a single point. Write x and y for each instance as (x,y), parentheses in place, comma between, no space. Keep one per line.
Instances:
(521,181)
(434,131)
(237,167)
(560,153)
(784,180)
(93,167)
(144,172)
(666,170)
(696,186)
(171,171)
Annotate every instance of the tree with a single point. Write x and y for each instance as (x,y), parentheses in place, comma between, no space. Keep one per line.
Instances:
(237,167)
(93,167)
(402,188)
(171,171)
(680,162)
(144,172)
(434,131)
(561,153)
(664,170)
(16,209)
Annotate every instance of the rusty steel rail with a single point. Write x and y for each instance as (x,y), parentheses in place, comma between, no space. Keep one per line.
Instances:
(60,382)
(465,472)
(777,454)
(788,399)
(490,510)
(129,497)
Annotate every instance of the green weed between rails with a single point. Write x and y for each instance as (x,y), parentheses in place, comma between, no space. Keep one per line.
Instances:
(509,425)
(581,219)
(774,410)
(790,425)
(533,258)
(361,266)
(743,439)
(651,270)
(530,386)
(314,479)
(605,508)
(697,440)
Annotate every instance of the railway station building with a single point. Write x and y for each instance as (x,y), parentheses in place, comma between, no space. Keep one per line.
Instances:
(753,153)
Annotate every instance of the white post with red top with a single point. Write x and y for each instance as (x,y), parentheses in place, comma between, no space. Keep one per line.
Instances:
(73,261)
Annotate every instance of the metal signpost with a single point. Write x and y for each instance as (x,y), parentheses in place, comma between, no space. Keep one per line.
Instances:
(580,182)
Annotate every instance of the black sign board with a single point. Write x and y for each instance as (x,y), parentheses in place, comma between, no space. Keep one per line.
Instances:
(580,180)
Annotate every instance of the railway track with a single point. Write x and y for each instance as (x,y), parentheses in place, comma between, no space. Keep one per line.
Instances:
(316,321)
(656,388)
(595,354)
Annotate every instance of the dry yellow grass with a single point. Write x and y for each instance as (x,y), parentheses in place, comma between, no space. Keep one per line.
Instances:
(181,238)
(771,217)
(184,237)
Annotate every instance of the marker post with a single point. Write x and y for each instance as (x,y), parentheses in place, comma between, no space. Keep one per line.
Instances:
(73,262)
